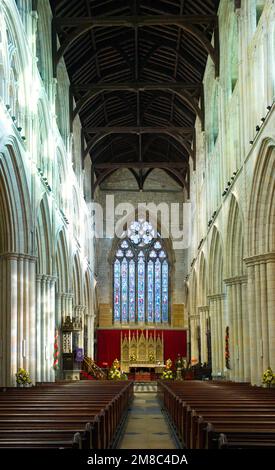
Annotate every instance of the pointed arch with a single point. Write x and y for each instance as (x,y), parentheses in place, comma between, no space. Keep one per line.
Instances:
(215,271)
(193,293)
(202,281)
(15,207)
(44,238)
(88,293)
(261,216)
(77,281)
(62,263)
(235,240)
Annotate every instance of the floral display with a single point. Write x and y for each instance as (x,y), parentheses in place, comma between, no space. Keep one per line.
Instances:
(23,377)
(268,377)
(115,373)
(167,373)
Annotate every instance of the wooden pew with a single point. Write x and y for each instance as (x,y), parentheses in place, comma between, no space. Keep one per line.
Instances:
(202,412)
(69,415)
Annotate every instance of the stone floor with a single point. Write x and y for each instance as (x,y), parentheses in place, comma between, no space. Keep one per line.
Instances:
(146,426)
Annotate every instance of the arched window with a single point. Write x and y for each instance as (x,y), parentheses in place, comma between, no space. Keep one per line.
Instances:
(141,277)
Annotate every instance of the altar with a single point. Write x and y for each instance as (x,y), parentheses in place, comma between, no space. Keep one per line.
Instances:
(142,351)
(156,368)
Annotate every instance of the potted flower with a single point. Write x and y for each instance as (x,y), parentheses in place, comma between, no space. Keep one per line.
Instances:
(167,374)
(268,377)
(23,378)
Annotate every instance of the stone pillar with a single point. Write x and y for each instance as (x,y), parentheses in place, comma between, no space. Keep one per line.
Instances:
(38,328)
(58,310)
(238,338)
(216,311)
(194,339)
(17,316)
(261,306)
(246,335)
(270,291)
(258,314)
(45,327)
(203,315)
(212,315)
(90,333)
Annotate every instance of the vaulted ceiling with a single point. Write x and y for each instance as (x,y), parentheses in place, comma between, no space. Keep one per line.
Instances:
(136,70)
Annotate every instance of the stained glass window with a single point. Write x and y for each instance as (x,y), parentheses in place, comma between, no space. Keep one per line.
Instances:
(132,291)
(157,291)
(117,291)
(141,290)
(124,290)
(141,277)
(150,291)
(165,291)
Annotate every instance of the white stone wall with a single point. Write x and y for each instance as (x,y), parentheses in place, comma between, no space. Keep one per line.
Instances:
(46,258)
(238,245)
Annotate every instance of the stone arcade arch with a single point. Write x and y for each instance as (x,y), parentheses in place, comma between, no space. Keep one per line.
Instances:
(194,320)
(236,284)
(17,271)
(261,263)
(216,302)
(45,294)
(88,316)
(203,310)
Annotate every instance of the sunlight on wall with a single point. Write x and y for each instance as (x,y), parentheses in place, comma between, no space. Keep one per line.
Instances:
(5,122)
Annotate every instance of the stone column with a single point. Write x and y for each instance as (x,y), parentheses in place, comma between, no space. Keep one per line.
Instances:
(90,333)
(258,314)
(212,314)
(264,315)
(45,327)
(217,333)
(270,275)
(261,305)
(246,335)
(194,340)
(38,328)
(237,336)
(17,316)
(203,314)
(58,310)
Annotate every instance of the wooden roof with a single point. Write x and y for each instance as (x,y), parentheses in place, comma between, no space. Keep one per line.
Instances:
(136,70)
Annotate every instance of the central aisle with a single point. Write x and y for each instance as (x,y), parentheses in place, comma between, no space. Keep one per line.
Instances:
(146,426)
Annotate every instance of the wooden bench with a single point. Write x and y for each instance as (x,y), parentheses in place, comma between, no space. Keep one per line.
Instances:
(218,414)
(82,415)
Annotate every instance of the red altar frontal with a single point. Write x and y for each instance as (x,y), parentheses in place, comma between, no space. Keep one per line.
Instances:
(110,344)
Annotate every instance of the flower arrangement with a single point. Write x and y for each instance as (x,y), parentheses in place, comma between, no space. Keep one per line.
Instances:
(268,377)
(114,372)
(23,377)
(227,354)
(167,374)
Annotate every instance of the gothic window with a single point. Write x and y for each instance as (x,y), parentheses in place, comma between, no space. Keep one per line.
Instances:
(141,277)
